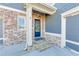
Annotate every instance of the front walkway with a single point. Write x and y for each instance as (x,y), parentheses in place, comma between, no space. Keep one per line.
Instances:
(14,50)
(53,51)
(18,50)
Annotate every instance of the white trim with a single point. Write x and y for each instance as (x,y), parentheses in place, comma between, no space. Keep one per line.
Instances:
(1,38)
(51,7)
(29,26)
(74,51)
(63,32)
(53,34)
(71,12)
(44,24)
(3,31)
(13,9)
(42,8)
(75,43)
(41,23)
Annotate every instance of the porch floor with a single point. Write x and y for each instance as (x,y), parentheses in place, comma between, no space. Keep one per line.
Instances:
(18,50)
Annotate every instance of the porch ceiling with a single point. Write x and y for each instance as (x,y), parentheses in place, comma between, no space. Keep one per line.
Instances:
(44,8)
(72,12)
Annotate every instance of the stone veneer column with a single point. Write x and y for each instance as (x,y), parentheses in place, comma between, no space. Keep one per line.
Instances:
(29,26)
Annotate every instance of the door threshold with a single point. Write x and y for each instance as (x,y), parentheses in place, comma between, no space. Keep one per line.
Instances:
(38,38)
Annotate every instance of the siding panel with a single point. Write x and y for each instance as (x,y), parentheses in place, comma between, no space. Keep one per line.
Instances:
(72,46)
(19,6)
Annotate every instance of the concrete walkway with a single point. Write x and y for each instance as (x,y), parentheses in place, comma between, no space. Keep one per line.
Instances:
(53,51)
(14,50)
(18,50)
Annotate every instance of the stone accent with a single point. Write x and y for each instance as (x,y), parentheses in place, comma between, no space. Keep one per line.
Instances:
(53,39)
(40,45)
(10,26)
(12,34)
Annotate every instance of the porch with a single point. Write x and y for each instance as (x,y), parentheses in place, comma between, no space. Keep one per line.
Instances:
(18,26)
(36,16)
(17,50)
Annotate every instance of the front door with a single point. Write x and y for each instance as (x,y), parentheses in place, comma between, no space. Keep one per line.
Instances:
(37,28)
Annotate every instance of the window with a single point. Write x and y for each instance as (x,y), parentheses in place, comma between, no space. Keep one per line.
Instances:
(21,22)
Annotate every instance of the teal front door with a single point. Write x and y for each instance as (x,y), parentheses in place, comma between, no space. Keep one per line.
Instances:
(37,28)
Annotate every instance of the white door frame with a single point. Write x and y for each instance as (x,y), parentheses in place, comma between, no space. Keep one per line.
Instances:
(71,12)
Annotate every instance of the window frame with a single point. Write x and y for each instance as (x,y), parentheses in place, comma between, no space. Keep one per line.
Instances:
(18,22)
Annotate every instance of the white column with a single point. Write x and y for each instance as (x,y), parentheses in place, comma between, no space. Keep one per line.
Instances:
(44,24)
(63,32)
(29,25)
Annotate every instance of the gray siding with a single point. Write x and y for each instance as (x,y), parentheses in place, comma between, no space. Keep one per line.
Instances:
(19,6)
(53,24)
(72,46)
(72,28)
(72,31)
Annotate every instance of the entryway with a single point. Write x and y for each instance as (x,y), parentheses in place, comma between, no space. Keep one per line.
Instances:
(37,28)
(36,11)
(38,25)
